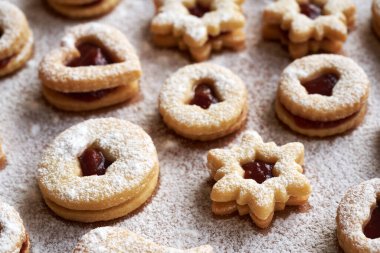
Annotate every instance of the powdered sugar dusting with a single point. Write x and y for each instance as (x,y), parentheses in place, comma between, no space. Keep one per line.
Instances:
(182,201)
(132,151)
(12,231)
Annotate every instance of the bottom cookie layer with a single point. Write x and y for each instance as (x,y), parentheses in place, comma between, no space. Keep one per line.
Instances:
(67,103)
(110,213)
(224,130)
(227,208)
(346,124)
(86,10)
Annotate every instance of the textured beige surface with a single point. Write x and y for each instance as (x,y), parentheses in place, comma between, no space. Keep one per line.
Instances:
(180,213)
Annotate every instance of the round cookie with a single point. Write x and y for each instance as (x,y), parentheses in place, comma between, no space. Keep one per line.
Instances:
(83,8)
(16,43)
(13,237)
(113,239)
(358,218)
(98,170)
(203,102)
(322,95)
(95,67)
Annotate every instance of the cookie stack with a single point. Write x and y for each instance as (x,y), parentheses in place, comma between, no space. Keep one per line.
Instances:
(83,8)
(16,46)
(98,170)
(309,27)
(95,67)
(199,27)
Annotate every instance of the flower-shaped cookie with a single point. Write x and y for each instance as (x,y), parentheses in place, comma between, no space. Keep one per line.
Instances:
(332,21)
(95,67)
(358,218)
(199,26)
(113,239)
(3,159)
(258,178)
(309,26)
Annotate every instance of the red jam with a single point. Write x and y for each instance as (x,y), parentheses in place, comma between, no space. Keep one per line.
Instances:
(4,62)
(90,96)
(258,171)
(93,162)
(310,124)
(199,10)
(313,11)
(90,55)
(322,85)
(91,4)
(204,96)
(372,229)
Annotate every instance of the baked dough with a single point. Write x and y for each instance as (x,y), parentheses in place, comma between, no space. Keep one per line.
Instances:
(234,191)
(128,182)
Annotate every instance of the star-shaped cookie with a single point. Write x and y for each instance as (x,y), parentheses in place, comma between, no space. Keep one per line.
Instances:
(257,178)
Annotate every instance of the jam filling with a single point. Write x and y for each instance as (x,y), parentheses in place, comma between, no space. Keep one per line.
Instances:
(310,124)
(91,4)
(258,171)
(199,10)
(322,85)
(90,55)
(4,62)
(372,229)
(93,162)
(204,96)
(90,96)
(313,11)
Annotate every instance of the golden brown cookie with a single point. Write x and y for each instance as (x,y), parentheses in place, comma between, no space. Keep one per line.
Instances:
(322,95)
(257,178)
(300,23)
(204,102)
(95,67)
(199,26)
(98,170)
(83,8)
(358,218)
(13,237)
(16,45)
(113,239)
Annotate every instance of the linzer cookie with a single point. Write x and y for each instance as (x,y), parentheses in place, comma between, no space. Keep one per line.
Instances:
(95,67)
(78,9)
(257,178)
(309,26)
(114,239)
(358,218)
(199,26)
(16,39)
(376,17)
(13,237)
(98,170)
(322,95)
(204,102)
